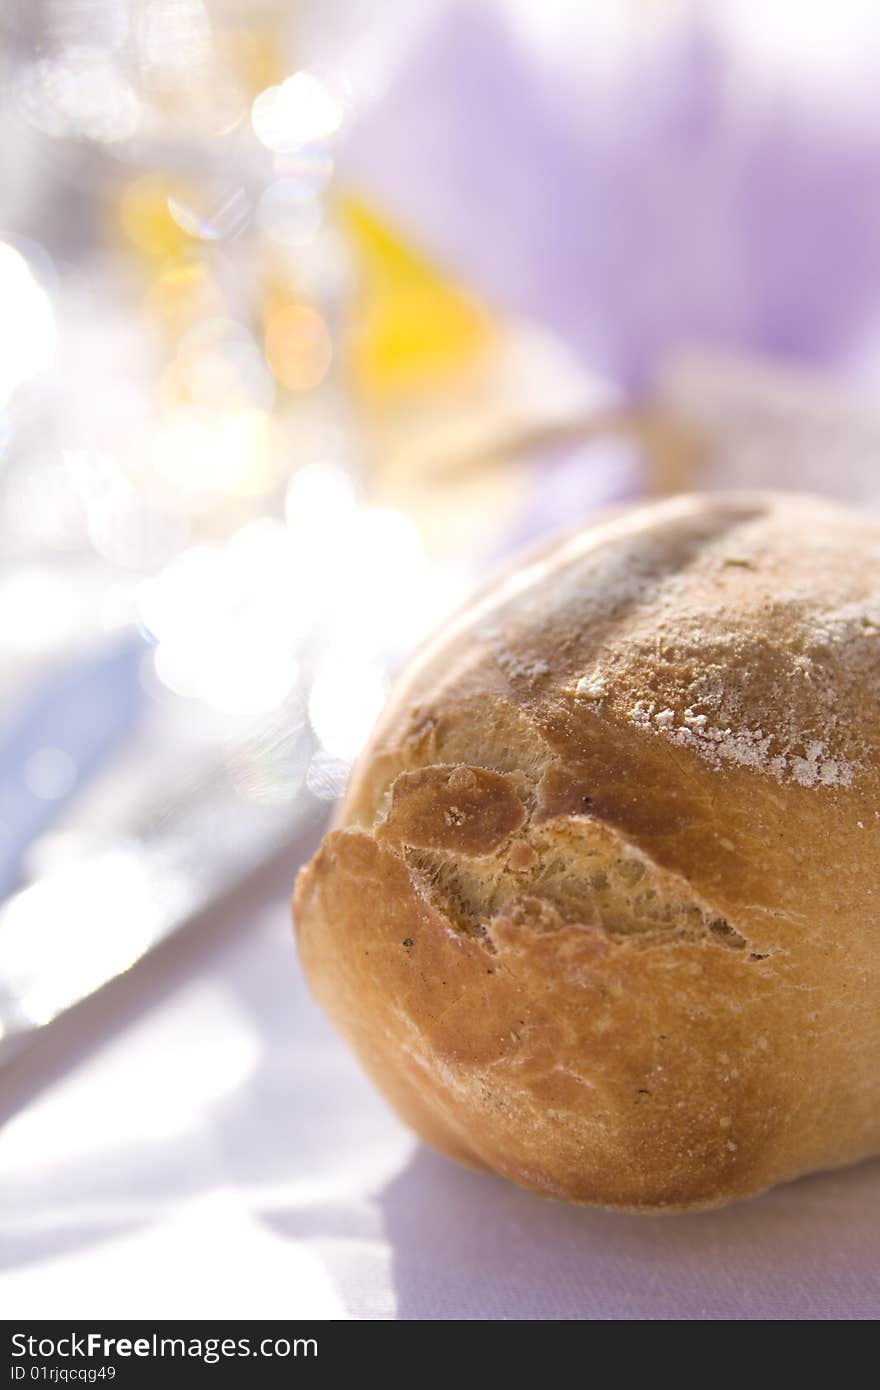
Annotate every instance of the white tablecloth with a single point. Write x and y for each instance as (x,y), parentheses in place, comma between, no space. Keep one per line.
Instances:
(198,1143)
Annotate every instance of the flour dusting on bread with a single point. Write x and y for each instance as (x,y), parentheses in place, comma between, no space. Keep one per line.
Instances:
(808,764)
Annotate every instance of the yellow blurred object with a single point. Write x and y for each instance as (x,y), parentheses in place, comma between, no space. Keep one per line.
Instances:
(146,220)
(410,328)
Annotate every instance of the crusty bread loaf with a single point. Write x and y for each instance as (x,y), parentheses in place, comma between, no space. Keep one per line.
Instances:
(602,912)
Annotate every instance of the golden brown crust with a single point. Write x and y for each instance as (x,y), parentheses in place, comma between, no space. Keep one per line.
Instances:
(601,913)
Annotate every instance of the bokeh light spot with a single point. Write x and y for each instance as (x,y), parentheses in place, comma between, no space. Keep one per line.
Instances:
(298,347)
(211,214)
(49,774)
(80,93)
(344,702)
(146,220)
(299,111)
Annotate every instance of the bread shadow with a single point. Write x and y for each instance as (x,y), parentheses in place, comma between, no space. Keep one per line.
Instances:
(467,1246)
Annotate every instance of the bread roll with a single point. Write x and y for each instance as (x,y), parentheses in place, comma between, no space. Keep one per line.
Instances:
(602,910)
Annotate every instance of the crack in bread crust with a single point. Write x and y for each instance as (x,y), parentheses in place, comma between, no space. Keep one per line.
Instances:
(569,871)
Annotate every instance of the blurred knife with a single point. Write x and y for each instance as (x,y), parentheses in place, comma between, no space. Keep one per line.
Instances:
(83,923)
